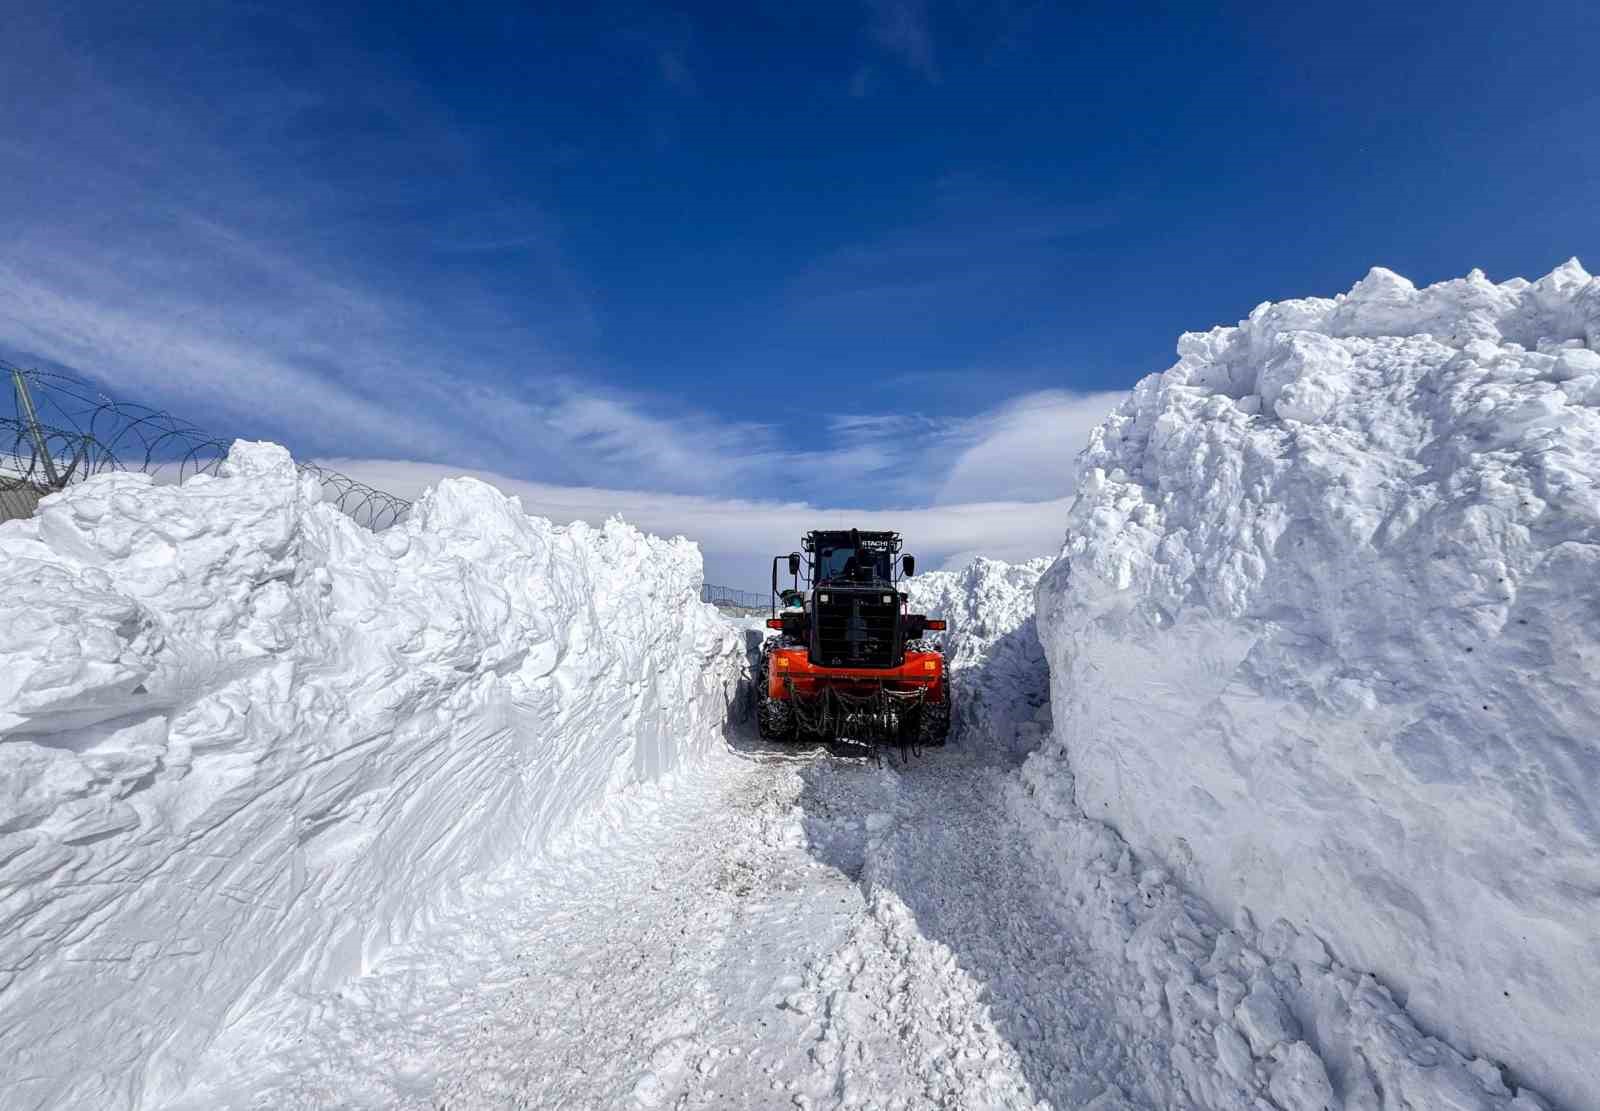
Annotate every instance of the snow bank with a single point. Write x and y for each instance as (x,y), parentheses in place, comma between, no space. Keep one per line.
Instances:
(245,744)
(1238,1017)
(1324,638)
(992,649)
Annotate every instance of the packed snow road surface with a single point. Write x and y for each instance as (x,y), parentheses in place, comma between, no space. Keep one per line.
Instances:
(792,927)
(800,927)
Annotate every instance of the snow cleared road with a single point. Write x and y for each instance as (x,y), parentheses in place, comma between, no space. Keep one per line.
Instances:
(791,927)
(297,815)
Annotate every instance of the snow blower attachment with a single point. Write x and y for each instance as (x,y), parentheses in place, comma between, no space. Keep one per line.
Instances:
(849,661)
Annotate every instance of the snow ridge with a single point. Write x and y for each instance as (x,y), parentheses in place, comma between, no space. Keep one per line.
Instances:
(1323,639)
(245,744)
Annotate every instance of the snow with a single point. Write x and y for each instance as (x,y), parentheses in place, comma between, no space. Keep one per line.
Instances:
(992,649)
(1322,644)
(723,944)
(246,746)
(1240,1013)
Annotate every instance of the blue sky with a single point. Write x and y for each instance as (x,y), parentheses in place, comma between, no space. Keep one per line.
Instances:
(880,254)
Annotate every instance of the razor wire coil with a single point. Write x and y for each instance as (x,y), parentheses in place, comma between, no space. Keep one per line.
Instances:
(67,430)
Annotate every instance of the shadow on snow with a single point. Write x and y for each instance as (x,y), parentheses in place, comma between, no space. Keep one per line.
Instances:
(933,831)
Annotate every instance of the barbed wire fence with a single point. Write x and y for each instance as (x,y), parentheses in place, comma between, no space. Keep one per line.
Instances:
(61,430)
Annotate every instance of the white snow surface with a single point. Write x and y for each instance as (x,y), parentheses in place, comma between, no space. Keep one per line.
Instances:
(247,746)
(991,647)
(1324,640)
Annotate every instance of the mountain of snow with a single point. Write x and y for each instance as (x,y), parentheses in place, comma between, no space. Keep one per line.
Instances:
(1324,640)
(245,744)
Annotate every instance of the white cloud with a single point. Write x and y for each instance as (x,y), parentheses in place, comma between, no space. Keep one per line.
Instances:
(1005,494)
(213,261)
(248,337)
(740,537)
(1027,449)
(1022,451)
(163,345)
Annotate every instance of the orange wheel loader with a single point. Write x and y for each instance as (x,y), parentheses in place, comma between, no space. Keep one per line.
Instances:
(849,662)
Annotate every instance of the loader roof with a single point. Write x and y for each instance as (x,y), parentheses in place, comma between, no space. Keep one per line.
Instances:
(857,537)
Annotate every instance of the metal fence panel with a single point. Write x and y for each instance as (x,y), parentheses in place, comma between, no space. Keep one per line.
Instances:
(729,596)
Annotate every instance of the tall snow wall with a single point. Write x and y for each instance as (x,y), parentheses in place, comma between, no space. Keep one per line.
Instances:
(245,743)
(1325,638)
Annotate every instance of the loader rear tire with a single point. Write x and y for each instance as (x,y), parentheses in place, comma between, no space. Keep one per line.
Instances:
(933,721)
(774,717)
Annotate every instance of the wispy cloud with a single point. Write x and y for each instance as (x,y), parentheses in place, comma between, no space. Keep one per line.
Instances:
(156,342)
(674,69)
(515,226)
(216,261)
(1024,449)
(901,28)
(968,236)
(339,371)
(1027,448)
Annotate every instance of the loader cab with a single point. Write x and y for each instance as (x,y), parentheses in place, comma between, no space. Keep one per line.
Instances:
(843,558)
(839,563)
(856,604)
(849,556)
(845,605)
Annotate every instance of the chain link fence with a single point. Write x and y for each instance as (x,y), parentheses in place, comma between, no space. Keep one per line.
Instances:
(61,430)
(728,596)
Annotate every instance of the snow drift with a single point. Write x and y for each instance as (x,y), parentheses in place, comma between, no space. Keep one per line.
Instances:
(1324,638)
(244,743)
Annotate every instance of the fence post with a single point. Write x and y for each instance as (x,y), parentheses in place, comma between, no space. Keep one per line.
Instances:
(40,445)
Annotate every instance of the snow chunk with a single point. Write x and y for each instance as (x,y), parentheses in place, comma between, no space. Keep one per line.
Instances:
(1300,1082)
(1304,377)
(1265,1019)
